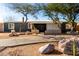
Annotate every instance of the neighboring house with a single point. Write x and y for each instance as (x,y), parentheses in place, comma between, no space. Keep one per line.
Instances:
(1,27)
(65,27)
(77,27)
(17,26)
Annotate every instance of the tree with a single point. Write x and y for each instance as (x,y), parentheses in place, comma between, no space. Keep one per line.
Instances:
(24,8)
(70,10)
(51,14)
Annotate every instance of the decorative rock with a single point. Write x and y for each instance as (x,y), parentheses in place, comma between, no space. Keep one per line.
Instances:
(34,34)
(12,31)
(66,46)
(28,33)
(48,48)
(61,44)
(22,33)
(10,35)
(37,31)
(13,34)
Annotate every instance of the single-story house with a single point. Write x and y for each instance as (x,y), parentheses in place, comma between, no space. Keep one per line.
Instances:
(48,27)
(42,26)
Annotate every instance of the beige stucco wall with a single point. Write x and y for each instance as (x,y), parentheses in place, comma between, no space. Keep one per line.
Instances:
(51,26)
(1,27)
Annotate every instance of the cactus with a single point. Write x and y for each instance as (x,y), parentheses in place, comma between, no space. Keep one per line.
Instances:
(74,49)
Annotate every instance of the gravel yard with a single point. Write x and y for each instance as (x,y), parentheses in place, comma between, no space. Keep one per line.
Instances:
(31,49)
(27,50)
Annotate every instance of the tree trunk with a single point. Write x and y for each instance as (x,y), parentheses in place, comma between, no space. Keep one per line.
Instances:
(72,21)
(74,48)
(73,24)
(20,28)
(26,18)
(26,21)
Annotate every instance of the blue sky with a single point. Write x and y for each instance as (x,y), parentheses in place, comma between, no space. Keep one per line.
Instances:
(6,12)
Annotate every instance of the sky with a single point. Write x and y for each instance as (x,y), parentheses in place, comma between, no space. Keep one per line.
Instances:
(6,12)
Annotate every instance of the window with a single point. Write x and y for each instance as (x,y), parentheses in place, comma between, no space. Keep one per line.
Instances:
(10,25)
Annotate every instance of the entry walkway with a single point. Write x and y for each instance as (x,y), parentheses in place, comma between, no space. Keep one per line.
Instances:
(28,40)
(21,41)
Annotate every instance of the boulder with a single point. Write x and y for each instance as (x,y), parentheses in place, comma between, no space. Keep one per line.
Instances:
(34,34)
(10,35)
(37,31)
(22,33)
(66,46)
(12,31)
(48,48)
(13,34)
(68,49)
(61,44)
(28,33)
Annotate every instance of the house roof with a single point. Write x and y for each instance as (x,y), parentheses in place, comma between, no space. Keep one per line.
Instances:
(41,21)
(34,21)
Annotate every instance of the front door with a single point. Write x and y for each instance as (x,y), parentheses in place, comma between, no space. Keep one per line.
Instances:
(40,27)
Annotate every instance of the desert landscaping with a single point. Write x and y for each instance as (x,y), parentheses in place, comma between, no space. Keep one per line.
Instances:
(39,29)
(32,44)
